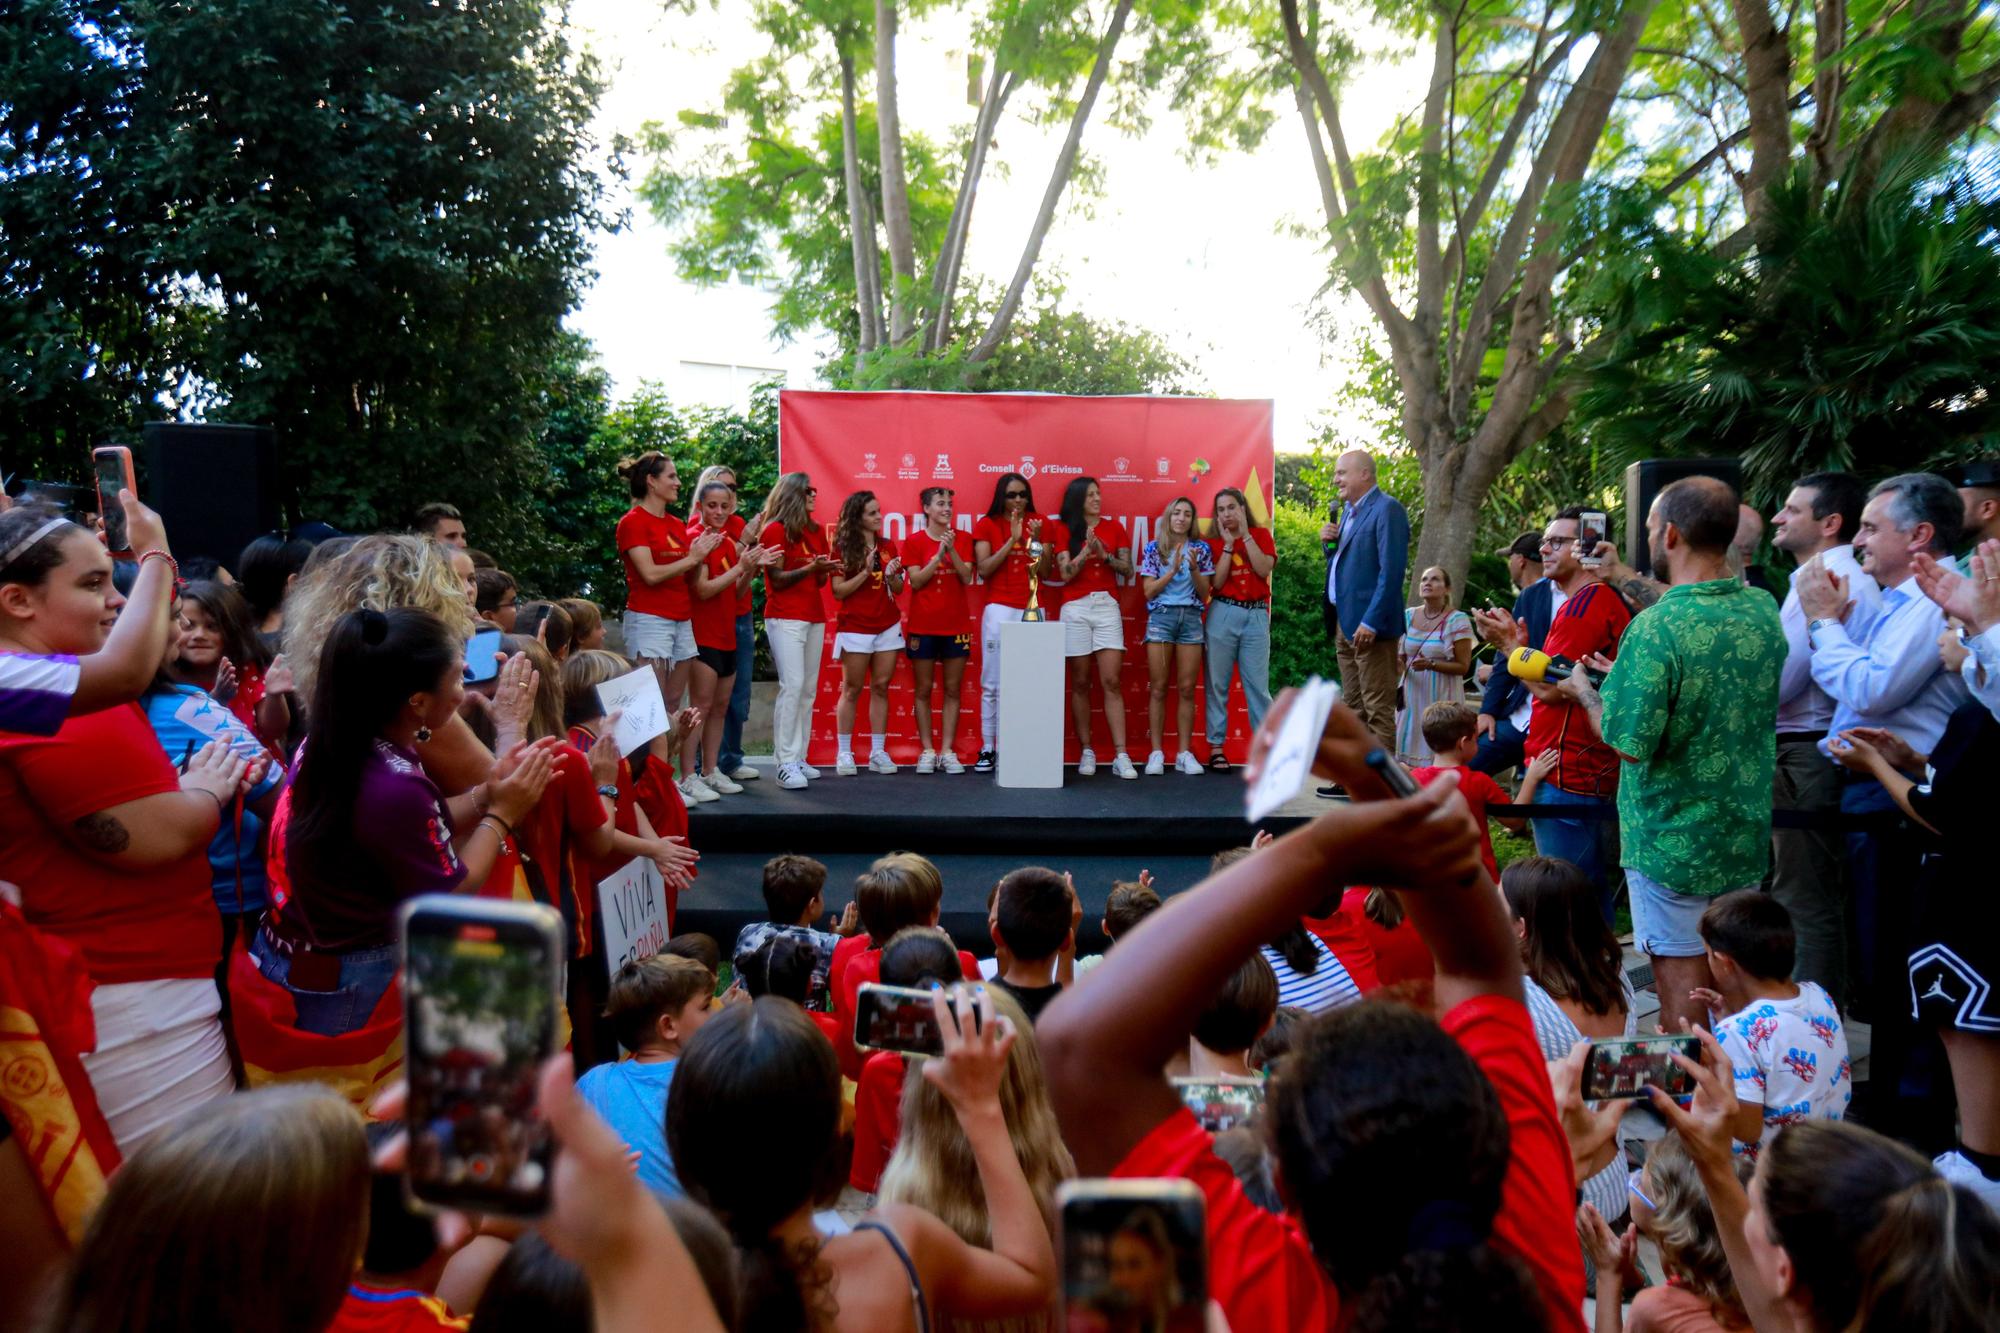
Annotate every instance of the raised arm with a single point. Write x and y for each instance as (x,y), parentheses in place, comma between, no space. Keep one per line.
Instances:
(120,671)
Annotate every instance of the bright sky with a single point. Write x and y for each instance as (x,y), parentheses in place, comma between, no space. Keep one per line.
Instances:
(1196,254)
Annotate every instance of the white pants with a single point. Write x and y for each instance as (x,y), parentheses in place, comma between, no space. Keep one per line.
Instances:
(798,649)
(990,621)
(159,1052)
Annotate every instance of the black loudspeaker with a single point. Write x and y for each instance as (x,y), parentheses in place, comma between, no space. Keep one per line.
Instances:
(1645,480)
(216,487)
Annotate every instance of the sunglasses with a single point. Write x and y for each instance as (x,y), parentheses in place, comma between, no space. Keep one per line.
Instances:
(1013,495)
(1632,1184)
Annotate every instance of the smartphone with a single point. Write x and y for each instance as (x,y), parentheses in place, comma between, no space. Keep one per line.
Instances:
(1591,529)
(1625,1066)
(481,981)
(482,655)
(112,465)
(896,1018)
(1221,1103)
(1134,1255)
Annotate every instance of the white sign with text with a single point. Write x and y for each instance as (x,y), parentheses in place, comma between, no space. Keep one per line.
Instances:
(641,708)
(633,904)
(1289,763)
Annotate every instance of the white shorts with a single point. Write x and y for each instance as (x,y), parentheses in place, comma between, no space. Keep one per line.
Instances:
(1092,624)
(160,1052)
(658,638)
(888,641)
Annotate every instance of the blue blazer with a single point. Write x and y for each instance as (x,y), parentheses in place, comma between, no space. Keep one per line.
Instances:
(1374,560)
(1535,609)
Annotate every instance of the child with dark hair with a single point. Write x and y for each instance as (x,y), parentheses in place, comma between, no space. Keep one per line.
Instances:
(1275,1042)
(918,956)
(1130,902)
(535,1289)
(1451,730)
(657,1004)
(1233,1021)
(695,945)
(400,1268)
(1295,955)
(496,597)
(794,895)
(1784,1038)
(784,968)
(1035,912)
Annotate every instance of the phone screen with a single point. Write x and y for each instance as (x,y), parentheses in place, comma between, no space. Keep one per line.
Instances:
(1134,1256)
(1591,529)
(896,1018)
(112,477)
(1625,1066)
(1221,1103)
(479,993)
(482,661)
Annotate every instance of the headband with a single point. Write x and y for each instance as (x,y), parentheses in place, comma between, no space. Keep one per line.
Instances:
(21,548)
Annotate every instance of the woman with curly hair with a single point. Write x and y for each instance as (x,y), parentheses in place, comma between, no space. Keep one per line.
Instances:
(869,635)
(1669,1208)
(795,618)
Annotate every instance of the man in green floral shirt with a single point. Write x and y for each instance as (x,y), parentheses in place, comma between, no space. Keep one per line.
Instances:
(1689,706)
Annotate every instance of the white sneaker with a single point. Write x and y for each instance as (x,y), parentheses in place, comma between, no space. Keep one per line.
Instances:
(948,761)
(721,782)
(1121,766)
(792,777)
(1156,763)
(843,767)
(695,792)
(1086,764)
(1187,764)
(1954,1168)
(926,762)
(745,773)
(810,771)
(880,762)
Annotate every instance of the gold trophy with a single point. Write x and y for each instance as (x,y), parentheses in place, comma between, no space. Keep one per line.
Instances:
(1031,528)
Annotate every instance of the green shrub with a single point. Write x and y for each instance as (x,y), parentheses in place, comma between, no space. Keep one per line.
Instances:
(1299,648)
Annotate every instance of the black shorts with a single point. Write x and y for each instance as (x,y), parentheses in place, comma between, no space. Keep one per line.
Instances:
(938,647)
(722,661)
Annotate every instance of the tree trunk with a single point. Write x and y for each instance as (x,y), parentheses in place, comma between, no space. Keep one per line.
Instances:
(1010,304)
(895,186)
(944,278)
(860,225)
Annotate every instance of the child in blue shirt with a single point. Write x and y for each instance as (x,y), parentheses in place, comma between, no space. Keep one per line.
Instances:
(655,1007)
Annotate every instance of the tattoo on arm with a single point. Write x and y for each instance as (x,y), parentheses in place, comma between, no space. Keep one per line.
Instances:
(102,833)
(1641,591)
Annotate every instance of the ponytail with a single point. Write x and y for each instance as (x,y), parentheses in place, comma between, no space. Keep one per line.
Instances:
(781,1288)
(1296,947)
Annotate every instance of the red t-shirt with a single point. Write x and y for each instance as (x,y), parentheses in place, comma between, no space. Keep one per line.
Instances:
(569,806)
(870,608)
(1591,621)
(878,1106)
(130,924)
(1093,575)
(800,600)
(1400,953)
(1244,583)
(853,964)
(939,607)
(746,591)
(1478,791)
(715,617)
(1007,585)
(1342,932)
(372,1310)
(1261,1266)
(666,539)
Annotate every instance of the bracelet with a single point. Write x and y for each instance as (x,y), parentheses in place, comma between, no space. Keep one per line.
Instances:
(220,804)
(154,552)
(506,829)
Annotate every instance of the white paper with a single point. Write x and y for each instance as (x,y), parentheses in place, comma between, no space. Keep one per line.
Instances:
(633,907)
(642,709)
(1289,764)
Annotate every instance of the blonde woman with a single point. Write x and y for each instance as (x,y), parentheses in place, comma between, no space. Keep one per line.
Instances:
(729,761)
(1174,571)
(795,618)
(1435,656)
(1670,1208)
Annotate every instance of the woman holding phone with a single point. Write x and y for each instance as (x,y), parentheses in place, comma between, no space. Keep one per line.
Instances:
(939,564)
(795,618)
(1175,571)
(870,632)
(1239,617)
(1091,553)
(1003,549)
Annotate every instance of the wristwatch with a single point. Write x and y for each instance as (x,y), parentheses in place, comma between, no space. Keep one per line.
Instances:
(1814,627)
(608,792)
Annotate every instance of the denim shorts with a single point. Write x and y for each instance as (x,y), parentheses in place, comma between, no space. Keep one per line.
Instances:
(658,638)
(1175,624)
(1667,924)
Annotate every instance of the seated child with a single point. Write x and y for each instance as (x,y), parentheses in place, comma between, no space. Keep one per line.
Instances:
(1339,930)
(1131,902)
(1233,1021)
(657,1004)
(901,889)
(794,896)
(1452,732)
(1784,1038)
(917,956)
(1034,919)
(784,967)
(1670,1208)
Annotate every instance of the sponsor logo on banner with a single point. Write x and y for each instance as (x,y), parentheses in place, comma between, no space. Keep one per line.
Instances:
(1122,470)
(868,467)
(1163,469)
(941,470)
(907,469)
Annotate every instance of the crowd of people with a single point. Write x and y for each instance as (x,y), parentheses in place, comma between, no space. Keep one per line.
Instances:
(216,794)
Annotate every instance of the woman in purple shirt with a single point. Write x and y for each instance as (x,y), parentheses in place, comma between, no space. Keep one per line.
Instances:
(362,827)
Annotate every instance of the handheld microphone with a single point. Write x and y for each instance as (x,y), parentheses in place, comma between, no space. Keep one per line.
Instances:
(1528,664)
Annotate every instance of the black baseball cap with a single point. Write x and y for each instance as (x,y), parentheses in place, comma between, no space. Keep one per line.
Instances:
(1528,546)
(1984,472)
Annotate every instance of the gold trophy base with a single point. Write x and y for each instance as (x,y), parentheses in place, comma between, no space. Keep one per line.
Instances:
(1034,615)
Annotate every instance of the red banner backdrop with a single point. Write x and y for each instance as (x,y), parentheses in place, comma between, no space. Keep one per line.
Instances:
(1144,452)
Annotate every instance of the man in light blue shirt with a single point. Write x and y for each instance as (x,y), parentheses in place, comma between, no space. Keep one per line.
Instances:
(1887,673)
(1818,521)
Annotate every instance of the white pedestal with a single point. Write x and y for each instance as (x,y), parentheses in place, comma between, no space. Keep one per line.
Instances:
(1032,704)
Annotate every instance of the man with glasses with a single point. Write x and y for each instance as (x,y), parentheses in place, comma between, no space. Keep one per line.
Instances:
(1586,616)
(1506,707)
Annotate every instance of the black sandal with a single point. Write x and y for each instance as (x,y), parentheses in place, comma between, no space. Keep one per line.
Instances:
(1218,762)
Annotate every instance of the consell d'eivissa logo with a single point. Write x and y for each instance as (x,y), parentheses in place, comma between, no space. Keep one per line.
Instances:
(1027,468)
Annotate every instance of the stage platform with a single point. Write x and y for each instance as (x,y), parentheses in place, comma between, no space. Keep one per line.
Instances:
(1101,829)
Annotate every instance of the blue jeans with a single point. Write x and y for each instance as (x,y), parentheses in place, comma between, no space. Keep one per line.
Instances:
(731,756)
(1238,638)
(1503,750)
(1591,845)
(364,976)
